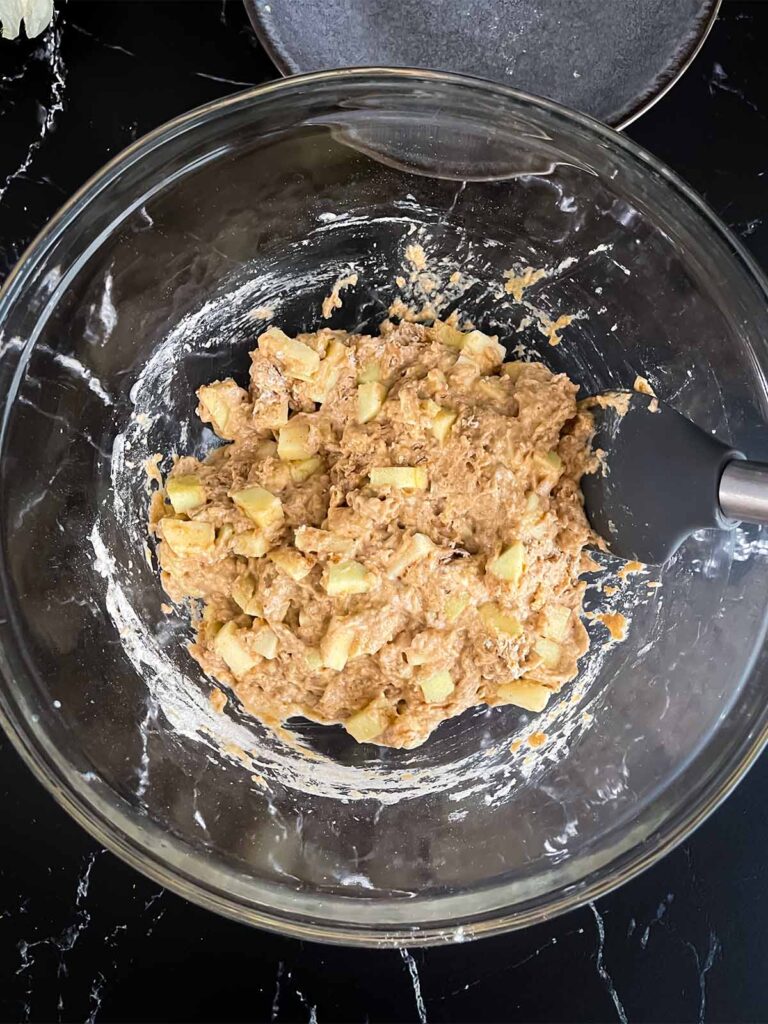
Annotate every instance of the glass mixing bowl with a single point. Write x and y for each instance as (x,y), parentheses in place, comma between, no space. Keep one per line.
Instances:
(157,278)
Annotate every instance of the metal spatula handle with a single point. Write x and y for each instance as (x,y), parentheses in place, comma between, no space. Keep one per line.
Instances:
(743,491)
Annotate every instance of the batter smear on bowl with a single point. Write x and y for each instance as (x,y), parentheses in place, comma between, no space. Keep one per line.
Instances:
(393,534)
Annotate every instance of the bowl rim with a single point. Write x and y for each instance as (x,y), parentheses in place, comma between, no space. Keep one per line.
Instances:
(105,828)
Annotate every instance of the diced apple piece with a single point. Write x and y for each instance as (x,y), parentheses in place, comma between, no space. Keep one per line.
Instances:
(243,591)
(290,562)
(447,335)
(323,383)
(418,656)
(293,441)
(411,550)
(367,724)
(217,402)
(405,478)
(548,463)
(327,376)
(513,369)
(213,407)
(260,505)
(266,449)
(348,578)
(335,354)
(532,507)
(211,624)
(495,619)
(303,470)
(455,605)
(483,350)
(296,359)
(224,535)
(509,564)
(370,398)
(265,642)
(438,687)
(548,651)
(233,651)
(370,373)
(250,544)
(557,621)
(523,693)
(313,658)
(185,492)
(188,537)
(272,414)
(336,645)
(442,423)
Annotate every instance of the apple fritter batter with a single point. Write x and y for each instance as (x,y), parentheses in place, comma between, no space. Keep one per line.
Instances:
(393,532)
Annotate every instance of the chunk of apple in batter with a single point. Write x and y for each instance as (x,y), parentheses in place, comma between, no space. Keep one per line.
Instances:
(532,507)
(370,398)
(523,693)
(327,377)
(557,621)
(548,463)
(513,369)
(406,478)
(243,590)
(217,403)
(438,687)
(509,565)
(494,619)
(250,544)
(367,724)
(447,335)
(455,605)
(411,550)
(293,441)
(232,651)
(548,651)
(336,645)
(290,562)
(185,492)
(305,468)
(188,538)
(483,350)
(224,535)
(260,505)
(266,449)
(348,578)
(442,423)
(370,373)
(313,658)
(265,642)
(296,359)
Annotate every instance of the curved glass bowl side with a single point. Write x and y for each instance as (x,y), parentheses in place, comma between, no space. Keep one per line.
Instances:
(699,784)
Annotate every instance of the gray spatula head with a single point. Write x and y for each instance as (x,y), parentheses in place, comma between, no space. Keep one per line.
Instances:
(662,477)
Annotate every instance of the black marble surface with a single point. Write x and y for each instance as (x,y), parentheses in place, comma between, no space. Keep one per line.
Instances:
(83,937)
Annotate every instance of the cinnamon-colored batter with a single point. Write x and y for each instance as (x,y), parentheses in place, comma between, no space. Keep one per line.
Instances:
(393,533)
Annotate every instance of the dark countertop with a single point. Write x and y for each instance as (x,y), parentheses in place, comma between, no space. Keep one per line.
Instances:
(82,936)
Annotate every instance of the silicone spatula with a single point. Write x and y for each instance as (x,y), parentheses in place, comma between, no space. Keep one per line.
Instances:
(662,477)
